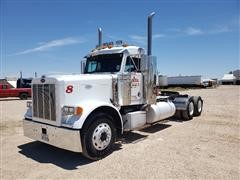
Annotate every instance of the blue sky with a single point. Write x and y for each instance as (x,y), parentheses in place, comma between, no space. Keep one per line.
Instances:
(190,37)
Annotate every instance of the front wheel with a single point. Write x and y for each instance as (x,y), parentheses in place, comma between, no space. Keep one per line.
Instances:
(99,137)
(23,96)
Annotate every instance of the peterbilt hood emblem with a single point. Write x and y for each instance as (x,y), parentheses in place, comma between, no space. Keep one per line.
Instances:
(42,80)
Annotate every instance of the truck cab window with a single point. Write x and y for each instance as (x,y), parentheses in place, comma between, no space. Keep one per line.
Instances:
(4,86)
(92,66)
(104,63)
(132,64)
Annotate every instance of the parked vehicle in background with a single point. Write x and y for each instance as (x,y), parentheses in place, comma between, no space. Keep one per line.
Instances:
(232,78)
(162,81)
(185,81)
(210,83)
(6,90)
(24,82)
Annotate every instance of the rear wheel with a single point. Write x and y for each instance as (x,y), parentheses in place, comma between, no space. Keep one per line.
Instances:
(99,137)
(198,104)
(188,113)
(23,96)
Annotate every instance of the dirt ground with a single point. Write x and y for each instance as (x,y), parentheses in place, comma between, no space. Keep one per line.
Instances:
(207,147)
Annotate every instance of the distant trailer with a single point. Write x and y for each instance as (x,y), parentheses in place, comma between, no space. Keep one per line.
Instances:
(162,81)
(228,79)
(185,81)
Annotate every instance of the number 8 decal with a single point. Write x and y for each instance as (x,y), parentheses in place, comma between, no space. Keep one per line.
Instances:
(69,89)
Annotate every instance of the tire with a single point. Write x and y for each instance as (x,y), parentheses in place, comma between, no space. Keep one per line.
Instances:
(178,114)
(23,96)
(99,137)
(198,105)
(188,113)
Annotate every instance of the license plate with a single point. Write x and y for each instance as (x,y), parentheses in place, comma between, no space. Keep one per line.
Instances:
(45,137)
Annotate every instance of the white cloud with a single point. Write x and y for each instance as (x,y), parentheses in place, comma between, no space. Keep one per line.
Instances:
(193,31)
(143,39)
(220,29)
(156,36)
(138,39)
(174,29)
(90,21)
(44,46)
(113,37)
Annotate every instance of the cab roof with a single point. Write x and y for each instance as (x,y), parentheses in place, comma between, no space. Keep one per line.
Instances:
(117,49)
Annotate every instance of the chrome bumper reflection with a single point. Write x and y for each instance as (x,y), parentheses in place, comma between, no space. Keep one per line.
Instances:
(68,139)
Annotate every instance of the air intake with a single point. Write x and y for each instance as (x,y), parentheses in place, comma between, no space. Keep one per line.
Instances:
(99,37)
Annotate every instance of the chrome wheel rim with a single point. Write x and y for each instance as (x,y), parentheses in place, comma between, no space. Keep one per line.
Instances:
(199,106)
(101,137)
(191,108)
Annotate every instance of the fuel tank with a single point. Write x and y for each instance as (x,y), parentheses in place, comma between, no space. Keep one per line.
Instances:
(160,111)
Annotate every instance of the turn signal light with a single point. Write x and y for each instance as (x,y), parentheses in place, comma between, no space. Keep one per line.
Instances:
(78,110)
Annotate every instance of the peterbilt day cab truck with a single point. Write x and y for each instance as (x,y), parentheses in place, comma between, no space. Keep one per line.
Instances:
(7,91)
(116,92)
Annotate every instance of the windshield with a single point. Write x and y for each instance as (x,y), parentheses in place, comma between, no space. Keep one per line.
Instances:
(104,63)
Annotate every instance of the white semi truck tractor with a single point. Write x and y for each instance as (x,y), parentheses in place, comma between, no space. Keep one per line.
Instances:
(116,92)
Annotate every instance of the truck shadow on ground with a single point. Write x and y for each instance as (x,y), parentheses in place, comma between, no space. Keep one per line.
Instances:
(136,136)
(178,120)
(44,153)
(155,128)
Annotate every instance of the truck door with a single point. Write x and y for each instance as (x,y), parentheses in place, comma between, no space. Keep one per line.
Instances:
(133,67)
(4,90)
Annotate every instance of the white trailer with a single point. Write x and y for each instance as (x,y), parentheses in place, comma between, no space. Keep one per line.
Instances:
(185,80)
(163,81)
(117,92)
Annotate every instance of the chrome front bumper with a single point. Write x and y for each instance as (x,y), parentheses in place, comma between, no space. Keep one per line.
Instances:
(64,138)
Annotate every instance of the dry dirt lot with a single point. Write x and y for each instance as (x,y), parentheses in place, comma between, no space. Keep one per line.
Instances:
(207,147)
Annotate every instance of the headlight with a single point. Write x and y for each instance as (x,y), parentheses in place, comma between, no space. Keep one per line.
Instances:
(71,110)
(29,104)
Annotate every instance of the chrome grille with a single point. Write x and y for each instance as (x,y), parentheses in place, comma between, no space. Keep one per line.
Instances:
(43,97)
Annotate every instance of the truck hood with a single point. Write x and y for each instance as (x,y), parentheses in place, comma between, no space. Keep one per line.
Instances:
(85,87)
(82,77)
(70,90)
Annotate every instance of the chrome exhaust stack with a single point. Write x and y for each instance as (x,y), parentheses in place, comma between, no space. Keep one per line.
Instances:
(149,44)
(99,37)
(149,68)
